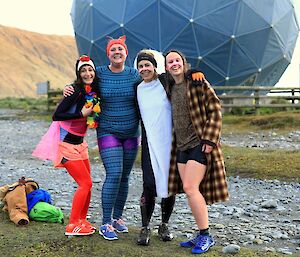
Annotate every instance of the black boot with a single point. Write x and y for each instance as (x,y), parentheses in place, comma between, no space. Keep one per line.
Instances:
(146,213)
(164,233)
(167,205)
(144,236)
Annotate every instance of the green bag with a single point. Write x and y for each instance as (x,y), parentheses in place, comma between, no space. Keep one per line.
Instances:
(43,211)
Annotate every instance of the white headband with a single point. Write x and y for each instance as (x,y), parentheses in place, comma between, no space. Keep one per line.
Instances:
(81,63)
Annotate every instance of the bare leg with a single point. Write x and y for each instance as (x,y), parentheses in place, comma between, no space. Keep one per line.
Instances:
(191,175)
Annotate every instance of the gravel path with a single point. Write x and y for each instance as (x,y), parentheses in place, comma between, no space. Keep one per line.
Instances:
(260,214)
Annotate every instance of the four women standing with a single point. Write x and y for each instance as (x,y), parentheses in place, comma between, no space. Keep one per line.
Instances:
(164,102)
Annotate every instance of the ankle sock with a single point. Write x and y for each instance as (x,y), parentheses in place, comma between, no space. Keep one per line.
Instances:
(204,232)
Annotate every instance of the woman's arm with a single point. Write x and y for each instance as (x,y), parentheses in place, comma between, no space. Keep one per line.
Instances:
(63,111)
(193,75)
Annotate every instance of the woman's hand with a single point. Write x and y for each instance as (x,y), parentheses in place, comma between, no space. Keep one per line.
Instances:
(198,76)
(86,111)
(195,76)
(207,148)
(68,90)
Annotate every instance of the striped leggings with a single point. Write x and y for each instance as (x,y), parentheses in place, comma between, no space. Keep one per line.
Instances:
(118,156)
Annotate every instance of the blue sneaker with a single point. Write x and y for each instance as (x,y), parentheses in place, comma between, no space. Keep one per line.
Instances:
(120,226)
(190,243)
(108,233)
(203,244)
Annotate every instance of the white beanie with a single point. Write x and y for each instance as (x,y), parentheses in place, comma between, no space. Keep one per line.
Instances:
(85,60)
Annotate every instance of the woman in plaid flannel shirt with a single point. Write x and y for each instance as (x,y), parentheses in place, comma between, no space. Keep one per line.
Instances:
(197,120)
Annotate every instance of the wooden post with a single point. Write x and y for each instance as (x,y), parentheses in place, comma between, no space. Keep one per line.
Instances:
(54,97)
(48,101)
(256,100)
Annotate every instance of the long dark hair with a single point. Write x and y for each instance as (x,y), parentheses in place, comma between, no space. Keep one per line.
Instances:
(169,79)
(79,82)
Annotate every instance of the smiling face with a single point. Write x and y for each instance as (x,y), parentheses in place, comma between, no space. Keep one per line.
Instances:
(174,64)
(117,54)
(146,70)
(87,74)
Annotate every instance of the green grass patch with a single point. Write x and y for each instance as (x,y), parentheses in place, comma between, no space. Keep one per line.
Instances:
(262,163)
(30,108)
(282,122)
(39,104)
(263,110)
(48,240)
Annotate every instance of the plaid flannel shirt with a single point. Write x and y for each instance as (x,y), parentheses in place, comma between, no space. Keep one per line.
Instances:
(205,111)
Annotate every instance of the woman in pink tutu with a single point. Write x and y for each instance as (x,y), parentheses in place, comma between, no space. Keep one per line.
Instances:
(64,142)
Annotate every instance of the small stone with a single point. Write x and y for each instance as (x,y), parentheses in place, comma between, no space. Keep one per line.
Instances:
(269,204)
(219,226)
(269,249)
(258,241)
(232,248)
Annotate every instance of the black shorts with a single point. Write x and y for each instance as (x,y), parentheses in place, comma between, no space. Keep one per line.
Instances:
(194,154)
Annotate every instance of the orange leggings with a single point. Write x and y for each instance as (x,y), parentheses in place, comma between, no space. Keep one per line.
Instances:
(81,172)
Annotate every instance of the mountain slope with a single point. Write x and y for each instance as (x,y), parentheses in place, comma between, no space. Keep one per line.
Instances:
(27,58)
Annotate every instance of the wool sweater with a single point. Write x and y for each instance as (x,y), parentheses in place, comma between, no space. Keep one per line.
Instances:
(118,104)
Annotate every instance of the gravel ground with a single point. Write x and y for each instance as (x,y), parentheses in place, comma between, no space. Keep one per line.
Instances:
(260,214)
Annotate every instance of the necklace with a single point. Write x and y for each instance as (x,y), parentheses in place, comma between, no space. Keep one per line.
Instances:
(92,100)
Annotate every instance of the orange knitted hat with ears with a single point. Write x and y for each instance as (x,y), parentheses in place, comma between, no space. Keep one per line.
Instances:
(120,40)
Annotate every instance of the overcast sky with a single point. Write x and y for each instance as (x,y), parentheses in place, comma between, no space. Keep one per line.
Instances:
(53,17)
(43,16)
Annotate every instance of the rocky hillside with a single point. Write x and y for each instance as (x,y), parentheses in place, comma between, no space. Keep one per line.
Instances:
(27,58)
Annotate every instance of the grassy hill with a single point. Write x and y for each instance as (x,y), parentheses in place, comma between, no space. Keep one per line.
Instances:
(28,58)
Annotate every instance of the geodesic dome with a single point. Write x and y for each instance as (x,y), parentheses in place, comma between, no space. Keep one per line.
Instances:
(234,42)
